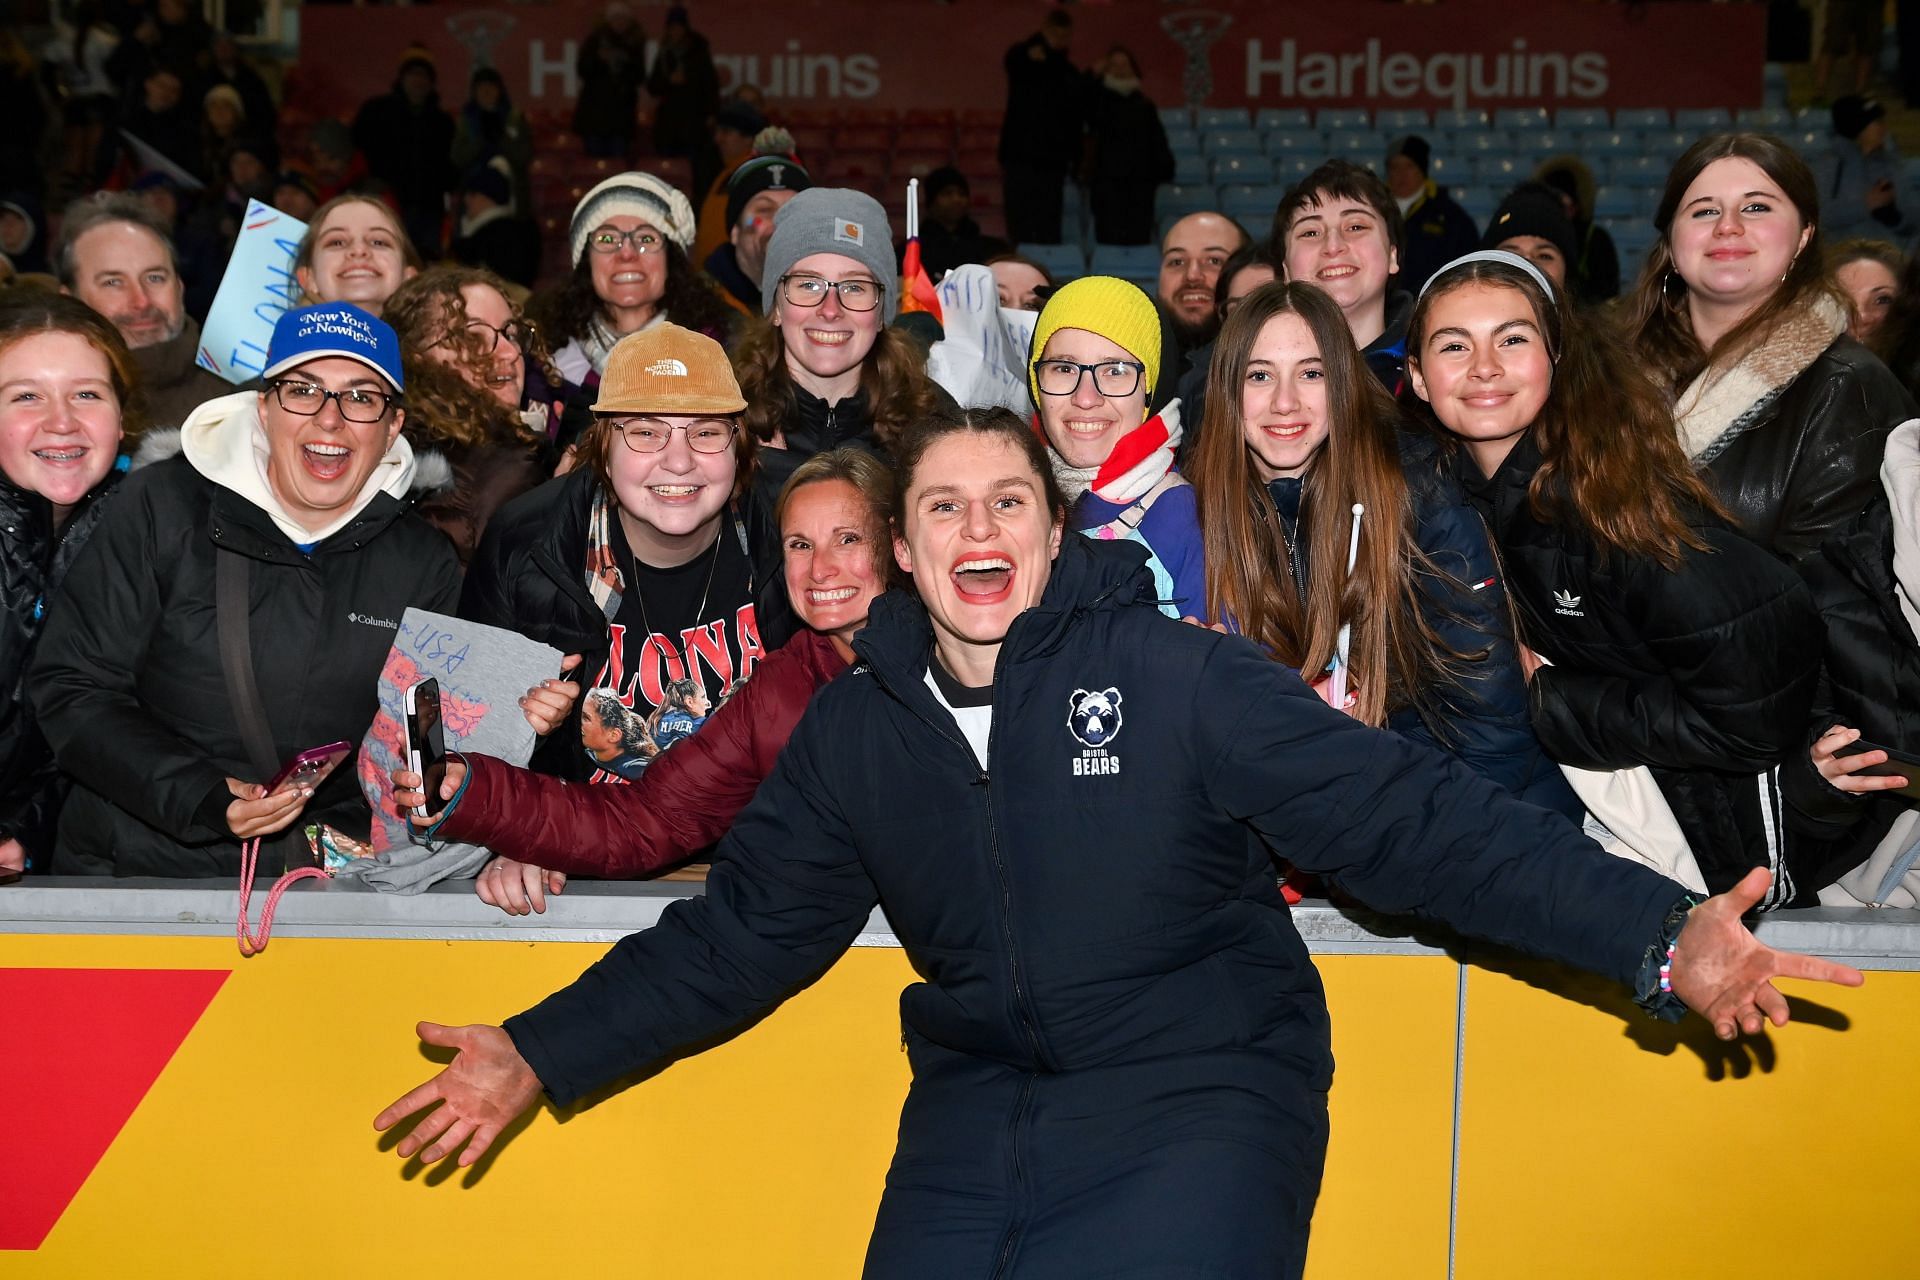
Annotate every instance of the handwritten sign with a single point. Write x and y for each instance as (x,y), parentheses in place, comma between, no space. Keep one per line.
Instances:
(256,289)
(482,672)
(982,360)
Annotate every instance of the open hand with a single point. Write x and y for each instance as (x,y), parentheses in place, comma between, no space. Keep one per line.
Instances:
(1840,770)
(1725,974)
(483,1090)
(517,887)
(255,813)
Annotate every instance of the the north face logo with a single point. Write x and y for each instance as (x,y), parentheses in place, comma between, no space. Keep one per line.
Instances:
(1094,718)
(1565,602)
(668,368)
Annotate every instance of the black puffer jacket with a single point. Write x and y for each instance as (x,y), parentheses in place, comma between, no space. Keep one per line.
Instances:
(34,558)
(529,575)
(1705,674)
(128,681)
(1870,682)
(1807,463)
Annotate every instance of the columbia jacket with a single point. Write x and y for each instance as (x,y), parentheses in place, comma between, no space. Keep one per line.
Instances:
(1704,674)
(686,799)
(128,681)
(1090,897)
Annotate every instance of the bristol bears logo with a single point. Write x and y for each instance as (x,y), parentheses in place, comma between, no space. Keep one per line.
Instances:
(1094,720)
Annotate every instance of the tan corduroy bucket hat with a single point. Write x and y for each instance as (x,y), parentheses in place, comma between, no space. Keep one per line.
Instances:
(667,369)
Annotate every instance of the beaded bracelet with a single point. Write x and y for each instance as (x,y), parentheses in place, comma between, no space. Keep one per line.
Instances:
(1666,968)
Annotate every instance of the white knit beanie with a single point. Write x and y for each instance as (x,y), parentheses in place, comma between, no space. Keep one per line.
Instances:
(637,195)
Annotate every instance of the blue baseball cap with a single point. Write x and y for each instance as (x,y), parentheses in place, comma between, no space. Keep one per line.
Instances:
(334,329)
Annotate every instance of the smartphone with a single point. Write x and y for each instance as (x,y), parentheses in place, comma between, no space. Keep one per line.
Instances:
(1898,765)
(426,742)
(310,768)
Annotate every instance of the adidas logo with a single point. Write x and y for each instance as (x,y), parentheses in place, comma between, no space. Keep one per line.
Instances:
(668,368)
(1565,602)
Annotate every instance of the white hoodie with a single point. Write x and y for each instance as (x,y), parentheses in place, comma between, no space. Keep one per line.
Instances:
(1900,477)
(225,441)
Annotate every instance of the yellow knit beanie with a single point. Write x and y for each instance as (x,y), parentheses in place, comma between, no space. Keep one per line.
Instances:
(1115,309)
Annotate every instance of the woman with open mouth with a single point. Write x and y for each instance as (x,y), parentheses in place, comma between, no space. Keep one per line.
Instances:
(356,251)
(294,501)
(66,389)
(827,369)
(1096,360)
(1783,414)
(1119,1047)
(1655,634)
(628,239)
(837,559)
(644,564)
(1307,435)
(480,412)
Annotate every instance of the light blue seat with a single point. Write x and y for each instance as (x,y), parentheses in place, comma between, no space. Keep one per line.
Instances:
(1642,118)
(1774,80)
(1256,168)
(1295,165)
(1252,205)
(1176,117)
(1442,168)
(1283,118)
(1766,119)
(1062,261)
(1540,142)
(1461,118)
(1484,140)
(1632,237)
(1522,118)
(1667,142)
(1333,118)
(1222,118)
(1128,261)
(1703,119)
(1479,201)
(1229,141)
(1176,200)
(1643,171)
(1402,120)
(1179,140)
(1582,118)
(1622,202)
(1286,142)
(1355,144)
(1595,145)
(1190,169)
(1503,171)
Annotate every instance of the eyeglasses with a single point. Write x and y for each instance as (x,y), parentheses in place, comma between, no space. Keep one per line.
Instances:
(811,291)
(650,435)
(357,404)
(1114,378)
(607,240)
(514,332)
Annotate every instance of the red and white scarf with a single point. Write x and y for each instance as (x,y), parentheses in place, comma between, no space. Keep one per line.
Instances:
(1139,461)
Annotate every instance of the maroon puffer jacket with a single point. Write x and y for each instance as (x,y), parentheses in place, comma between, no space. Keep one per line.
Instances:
(684,801)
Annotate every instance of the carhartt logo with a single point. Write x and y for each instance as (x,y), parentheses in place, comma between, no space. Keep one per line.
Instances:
(849,232)
(668,368)
(1565,602)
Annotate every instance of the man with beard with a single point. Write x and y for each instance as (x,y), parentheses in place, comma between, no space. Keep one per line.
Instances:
(756,192)
(116,257)
(1191,255)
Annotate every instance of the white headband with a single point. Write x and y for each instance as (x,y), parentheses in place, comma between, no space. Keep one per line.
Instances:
(1494,255)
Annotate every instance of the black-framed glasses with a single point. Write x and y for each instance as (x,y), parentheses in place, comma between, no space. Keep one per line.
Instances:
(645,240)
(811,291)
(490,336)
(650,435)
(357,404)
(1113,378)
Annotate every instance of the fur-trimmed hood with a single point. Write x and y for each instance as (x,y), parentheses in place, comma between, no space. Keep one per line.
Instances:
(1722,402)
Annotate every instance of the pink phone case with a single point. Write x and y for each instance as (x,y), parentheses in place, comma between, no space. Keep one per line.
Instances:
(310,768)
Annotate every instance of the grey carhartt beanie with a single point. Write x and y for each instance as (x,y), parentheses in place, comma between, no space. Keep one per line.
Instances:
(832,220)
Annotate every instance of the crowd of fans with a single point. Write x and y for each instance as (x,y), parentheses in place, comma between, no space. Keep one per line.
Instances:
(1495,489)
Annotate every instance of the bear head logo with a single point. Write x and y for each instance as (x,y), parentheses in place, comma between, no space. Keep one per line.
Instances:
(1094,718)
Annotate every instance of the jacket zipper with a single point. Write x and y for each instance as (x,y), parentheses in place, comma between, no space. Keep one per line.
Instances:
(1022,1105)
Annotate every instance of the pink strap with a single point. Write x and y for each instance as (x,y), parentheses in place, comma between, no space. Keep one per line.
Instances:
(252,944)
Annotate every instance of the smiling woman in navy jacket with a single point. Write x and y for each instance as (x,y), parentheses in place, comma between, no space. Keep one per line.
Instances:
(1120,1048)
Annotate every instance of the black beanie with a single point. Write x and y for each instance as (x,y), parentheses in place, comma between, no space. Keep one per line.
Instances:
(1533,209)
(1414,149)
(1853,113)
(763,173)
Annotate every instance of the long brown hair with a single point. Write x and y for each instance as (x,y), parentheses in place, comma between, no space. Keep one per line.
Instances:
(1611,461)
(430,310)
(1395,657)
(1661,330)
(27,312)
(893,376)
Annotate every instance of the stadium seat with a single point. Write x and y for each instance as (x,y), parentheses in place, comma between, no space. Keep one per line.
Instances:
(1295,165)
(1063,261)
(1230,142)
(1811,142)
(1522,118)
(1774,83)
(1632,237)
(1402,121)
(1128,261)
(869,165)
(918,164)
(1335,118)
(1622,202)
(1222,118)
(814,140)
(1176,117)
(1253,205)
(1582,118)
(924,138)
(862,137)
(1255,168)
(1479,202)
(1766,119)
(1595,145)
(1909,172)
(1641,171)
(1442,169)
(1355,144)
(979,137)
(1667,142)
(1496,170)
(1172,201)
(1287,142)
(976,163)
(1642,118)
(1183,140)
(1189,169)
(1282,118)
(1461,119)
(1540,142)
(1483,140)
(1702,119)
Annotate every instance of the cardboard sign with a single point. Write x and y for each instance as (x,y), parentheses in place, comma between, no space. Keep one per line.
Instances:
(256,289)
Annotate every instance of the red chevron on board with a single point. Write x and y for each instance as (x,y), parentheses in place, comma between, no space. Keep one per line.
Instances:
(79,1048)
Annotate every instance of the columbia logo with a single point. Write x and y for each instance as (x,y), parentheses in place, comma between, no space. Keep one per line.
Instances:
(1567,603)
(668,368)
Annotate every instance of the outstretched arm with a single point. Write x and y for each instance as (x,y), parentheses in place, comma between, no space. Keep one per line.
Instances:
(1725,974)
